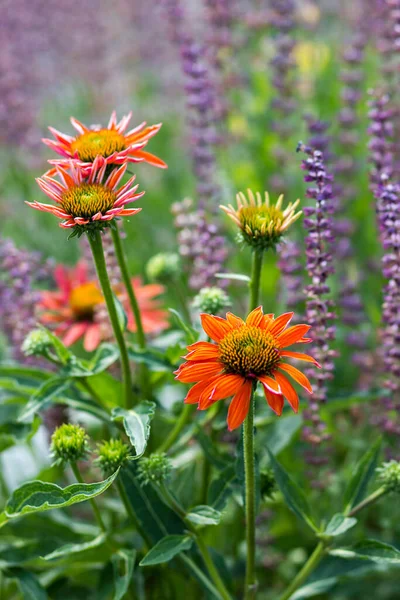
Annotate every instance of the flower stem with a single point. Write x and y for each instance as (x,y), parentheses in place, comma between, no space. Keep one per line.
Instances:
(92,501)
(369,500)
(310,565)
(101,268)
(255,279)
(175,433)
(131,514)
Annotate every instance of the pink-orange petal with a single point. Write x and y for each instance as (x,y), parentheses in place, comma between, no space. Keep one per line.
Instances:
(239,406)
(92,337)
(275,401)
(150,159)
(255,317)
(288,391)
(280,323)
(292,335)
(300,356)
(221,387)
(215,327)
(76,331)
(297,375)
(270,384)
(191,372)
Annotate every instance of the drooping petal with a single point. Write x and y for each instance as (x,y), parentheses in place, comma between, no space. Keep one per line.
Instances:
(288,391)
(239,406)
(300,356)
(255,317)
(275,401)
(221,387)
(193,395)
(292,335)
(215,327)
(270,384)
(297,375)
(191,372)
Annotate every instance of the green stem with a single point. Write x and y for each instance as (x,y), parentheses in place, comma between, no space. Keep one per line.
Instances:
(255,279)
(308,568)
(250,494)
(175,433)
(92,501)
(131,514)
(202,546)
(198,573)
(129,288)
(369,500)
(98,256)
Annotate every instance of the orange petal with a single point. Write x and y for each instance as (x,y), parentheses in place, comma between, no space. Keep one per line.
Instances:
(275,401)
(270,384)
(297,376)
(234,320)
(202,351)
(280,323)
(255,317)
(300,356)
(191,372)
(288,391)
(292,335)
(193,395)
(150,159)
(219,388)
(215,327)
(239,407)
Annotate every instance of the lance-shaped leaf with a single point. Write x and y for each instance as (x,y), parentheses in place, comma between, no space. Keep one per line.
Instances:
(204,515)
(136,424)
(358,485)
(339,524)
(46,392)
(293,494)
(370,550)
(37,496)
(105,356)
(69,549)
(28,584)
(234,277)
(166,549)
(123,562)
(191,334)
(154,359)
(221,487)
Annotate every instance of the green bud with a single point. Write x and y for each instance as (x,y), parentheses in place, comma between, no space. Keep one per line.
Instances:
(68,443)
(389,474)
(267,483)
(154,469)
(163,267)
(211,300)
(36,343)
(112,454)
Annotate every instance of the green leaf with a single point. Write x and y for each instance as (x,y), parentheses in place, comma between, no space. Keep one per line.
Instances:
(48,390)
(12,432)
(339,524)
(204,515)
(358,485)
(191,334)
(166,549)
(105,356)
(28,584)
(136,424)
(63,354)
(121,314)
(37,496)
(211,452)
(373,550)
(221,488)
(153,358)
(69,549)
(123,562)
(233,277)
(19,372)
(293,494)
(280,433)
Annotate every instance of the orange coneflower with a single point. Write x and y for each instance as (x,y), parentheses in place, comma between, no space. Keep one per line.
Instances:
(244,352)
(113,143)
(83,199)
(73,309)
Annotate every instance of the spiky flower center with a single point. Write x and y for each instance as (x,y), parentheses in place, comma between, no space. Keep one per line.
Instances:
(249,351)
(88,199)
(83,300)
(261,220)
(93,143)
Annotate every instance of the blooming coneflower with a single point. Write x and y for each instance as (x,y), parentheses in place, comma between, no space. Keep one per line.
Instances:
(113,143)
(262,224)
(83,200)
(245,352)
(73,309)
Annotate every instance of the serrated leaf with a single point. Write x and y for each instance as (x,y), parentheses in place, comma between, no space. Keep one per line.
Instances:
(233,277)
(123,560)
(69,549)
(339,524)
(204,515)
(28,584)
(166,549)
(37,496)
(152,358)
(191,334)
(374,550)
(293,494)
(48,390)
(221,487)
(357,487)
(136,423)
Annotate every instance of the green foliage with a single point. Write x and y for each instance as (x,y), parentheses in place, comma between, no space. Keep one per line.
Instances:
(136,423)
(364,472)
(166,549)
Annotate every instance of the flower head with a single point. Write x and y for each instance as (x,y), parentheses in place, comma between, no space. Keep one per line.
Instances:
(36,343)
(389,474)
(116,145)
(245,352)
(163,267)
(83,200)
(154,469)
(262,224)
(69,443)
(73,309)
(211,300)
(112,455)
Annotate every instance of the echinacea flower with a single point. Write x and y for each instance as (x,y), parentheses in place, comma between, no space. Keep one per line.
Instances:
(245,352)
(113,143)
(72,310)
(262,224)
(83,200)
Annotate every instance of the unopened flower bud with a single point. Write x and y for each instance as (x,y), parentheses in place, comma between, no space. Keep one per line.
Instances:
(154,469)
(211,300)
(69,443)
(163,267)
(389,474)
(36,343)
(112,455)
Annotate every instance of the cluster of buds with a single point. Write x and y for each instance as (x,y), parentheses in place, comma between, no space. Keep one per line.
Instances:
(389,475)
(112,455)
(154,469)
(163,267)
(37,343)
(211,300)
(69,443)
